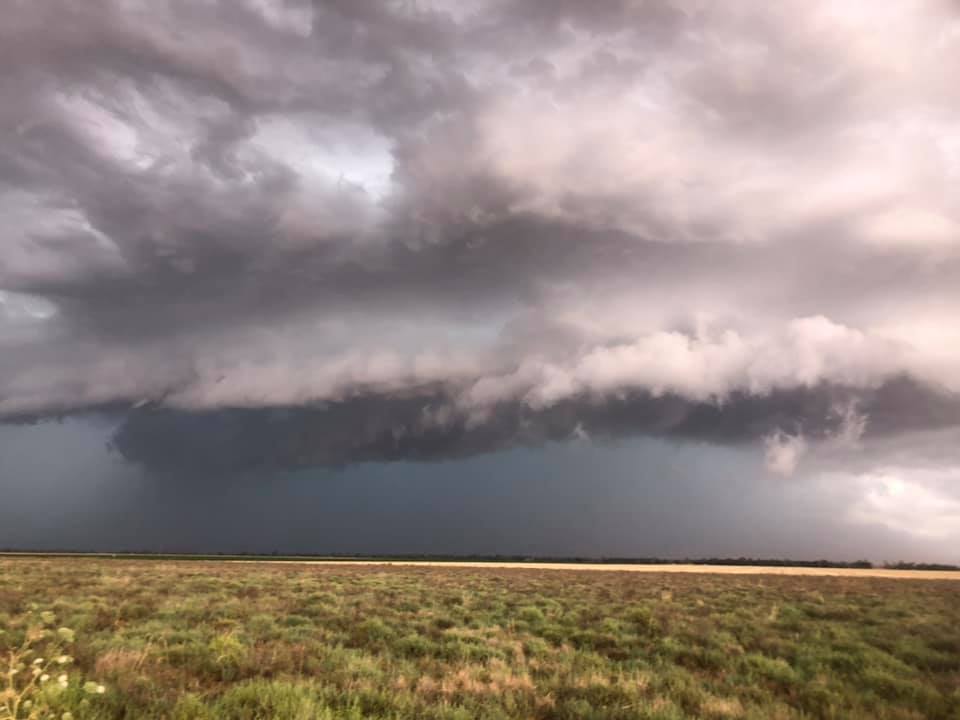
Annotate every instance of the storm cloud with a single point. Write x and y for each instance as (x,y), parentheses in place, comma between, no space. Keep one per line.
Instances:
(276,234)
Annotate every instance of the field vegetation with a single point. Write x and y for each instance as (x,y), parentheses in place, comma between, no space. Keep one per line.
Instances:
(197,640)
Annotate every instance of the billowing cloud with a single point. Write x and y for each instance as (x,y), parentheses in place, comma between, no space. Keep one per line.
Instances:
(291,233)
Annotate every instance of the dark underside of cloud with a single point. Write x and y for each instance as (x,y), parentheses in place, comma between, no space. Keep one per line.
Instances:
(378,429)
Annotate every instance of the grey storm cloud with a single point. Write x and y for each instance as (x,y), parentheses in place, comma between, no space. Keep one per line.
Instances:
(283,233)
(422,428)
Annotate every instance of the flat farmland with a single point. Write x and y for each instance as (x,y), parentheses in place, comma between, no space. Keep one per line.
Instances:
(650,568)
(245,640)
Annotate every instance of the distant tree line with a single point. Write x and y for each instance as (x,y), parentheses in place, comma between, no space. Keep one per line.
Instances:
(920,566)
(276,555)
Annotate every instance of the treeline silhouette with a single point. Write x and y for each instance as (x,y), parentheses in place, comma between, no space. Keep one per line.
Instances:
(920,566)
(626,560)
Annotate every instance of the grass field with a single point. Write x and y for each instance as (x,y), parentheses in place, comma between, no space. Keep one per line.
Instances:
(661,568)
(243,640)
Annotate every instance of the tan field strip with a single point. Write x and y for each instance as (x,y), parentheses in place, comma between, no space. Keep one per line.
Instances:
(597,567)
(715,569)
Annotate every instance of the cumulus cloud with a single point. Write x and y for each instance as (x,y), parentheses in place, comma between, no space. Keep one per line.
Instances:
(783,452)
(453,227)
(911,500)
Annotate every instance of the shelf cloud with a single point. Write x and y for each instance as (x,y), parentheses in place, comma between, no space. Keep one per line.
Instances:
(283,233)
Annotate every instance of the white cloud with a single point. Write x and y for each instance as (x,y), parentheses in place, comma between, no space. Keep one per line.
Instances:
(911,227)
(907,499)
(783,452)
(852,426)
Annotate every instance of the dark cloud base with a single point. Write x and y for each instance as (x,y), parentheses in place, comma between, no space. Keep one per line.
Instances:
(378,429)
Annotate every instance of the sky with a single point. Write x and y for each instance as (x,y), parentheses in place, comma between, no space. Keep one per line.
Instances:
(659,277)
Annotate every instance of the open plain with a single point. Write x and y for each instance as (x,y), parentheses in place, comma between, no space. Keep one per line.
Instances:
(879,572)
(199,639)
